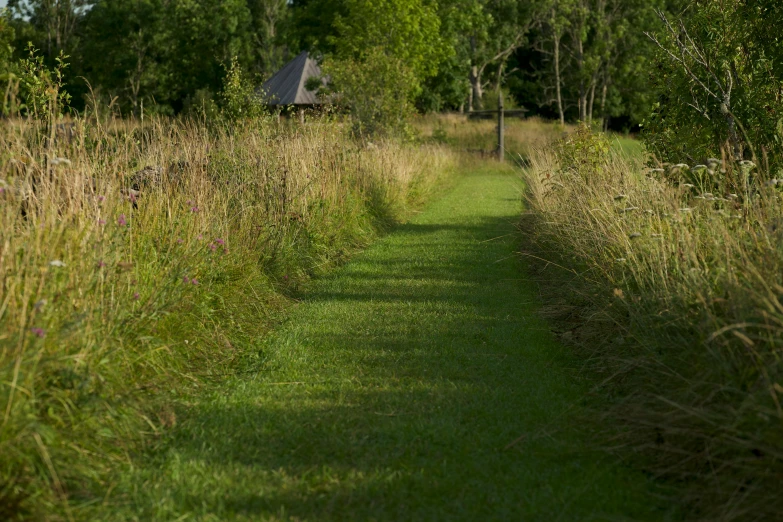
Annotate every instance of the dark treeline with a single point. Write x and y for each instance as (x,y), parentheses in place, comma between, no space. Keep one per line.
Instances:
(564,59)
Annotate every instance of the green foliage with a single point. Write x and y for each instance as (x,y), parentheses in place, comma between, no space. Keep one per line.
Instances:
(583,152)
(40,88)
(718,81)
(378,89)
(239,99)
(383,52)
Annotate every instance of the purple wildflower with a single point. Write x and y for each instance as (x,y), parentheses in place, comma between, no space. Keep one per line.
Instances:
(220,242)
(136,296)
(194,281)
(186,280)
(212,246)
(180,241)
(200,237)
(194,209)
(38,332)
(121,221)
(101,199)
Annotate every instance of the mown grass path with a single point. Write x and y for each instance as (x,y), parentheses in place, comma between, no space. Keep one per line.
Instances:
(392,392)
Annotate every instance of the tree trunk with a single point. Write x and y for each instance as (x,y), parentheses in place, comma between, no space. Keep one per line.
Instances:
(591,103)
(475,87)
(604,117)
(558,80)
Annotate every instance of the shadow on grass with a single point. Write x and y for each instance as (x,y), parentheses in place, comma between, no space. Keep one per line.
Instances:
(394,393)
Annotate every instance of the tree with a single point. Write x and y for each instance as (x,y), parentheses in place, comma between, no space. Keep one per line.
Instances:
(384,50)
(718,80)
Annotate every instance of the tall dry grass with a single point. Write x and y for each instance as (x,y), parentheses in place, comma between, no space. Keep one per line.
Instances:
(673,289)
(136,262)
(522,136)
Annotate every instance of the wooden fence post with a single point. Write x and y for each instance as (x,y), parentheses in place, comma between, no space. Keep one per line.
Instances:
(501,128)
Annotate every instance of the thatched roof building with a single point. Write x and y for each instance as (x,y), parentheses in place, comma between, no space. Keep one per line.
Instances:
(288,85)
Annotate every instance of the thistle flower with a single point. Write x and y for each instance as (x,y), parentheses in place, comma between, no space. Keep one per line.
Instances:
(38,332)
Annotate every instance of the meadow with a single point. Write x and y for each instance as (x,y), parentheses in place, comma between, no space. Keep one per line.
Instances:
(142,262)
(666,279)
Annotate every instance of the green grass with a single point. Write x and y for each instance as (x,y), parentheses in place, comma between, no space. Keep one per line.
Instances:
(393,391)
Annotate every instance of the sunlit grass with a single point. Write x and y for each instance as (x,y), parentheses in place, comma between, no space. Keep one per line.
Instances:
(137,262)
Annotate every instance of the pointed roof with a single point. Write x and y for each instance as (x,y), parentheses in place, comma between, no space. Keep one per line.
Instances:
(287,86)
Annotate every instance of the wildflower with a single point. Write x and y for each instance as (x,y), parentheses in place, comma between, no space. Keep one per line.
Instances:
(180,241)
(194,209)
(101,199)
(634,235)
(747,165)
(136,296)
(618,292)
(121,221)
(713,162)
(186,280)
(101,221)
(212,246)
(200,237)
(38,332)
(194,281)
(57,263)
(220,242)
(101,264)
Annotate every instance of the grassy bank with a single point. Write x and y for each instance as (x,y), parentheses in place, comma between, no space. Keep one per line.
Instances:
(140,264)
(669,282)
